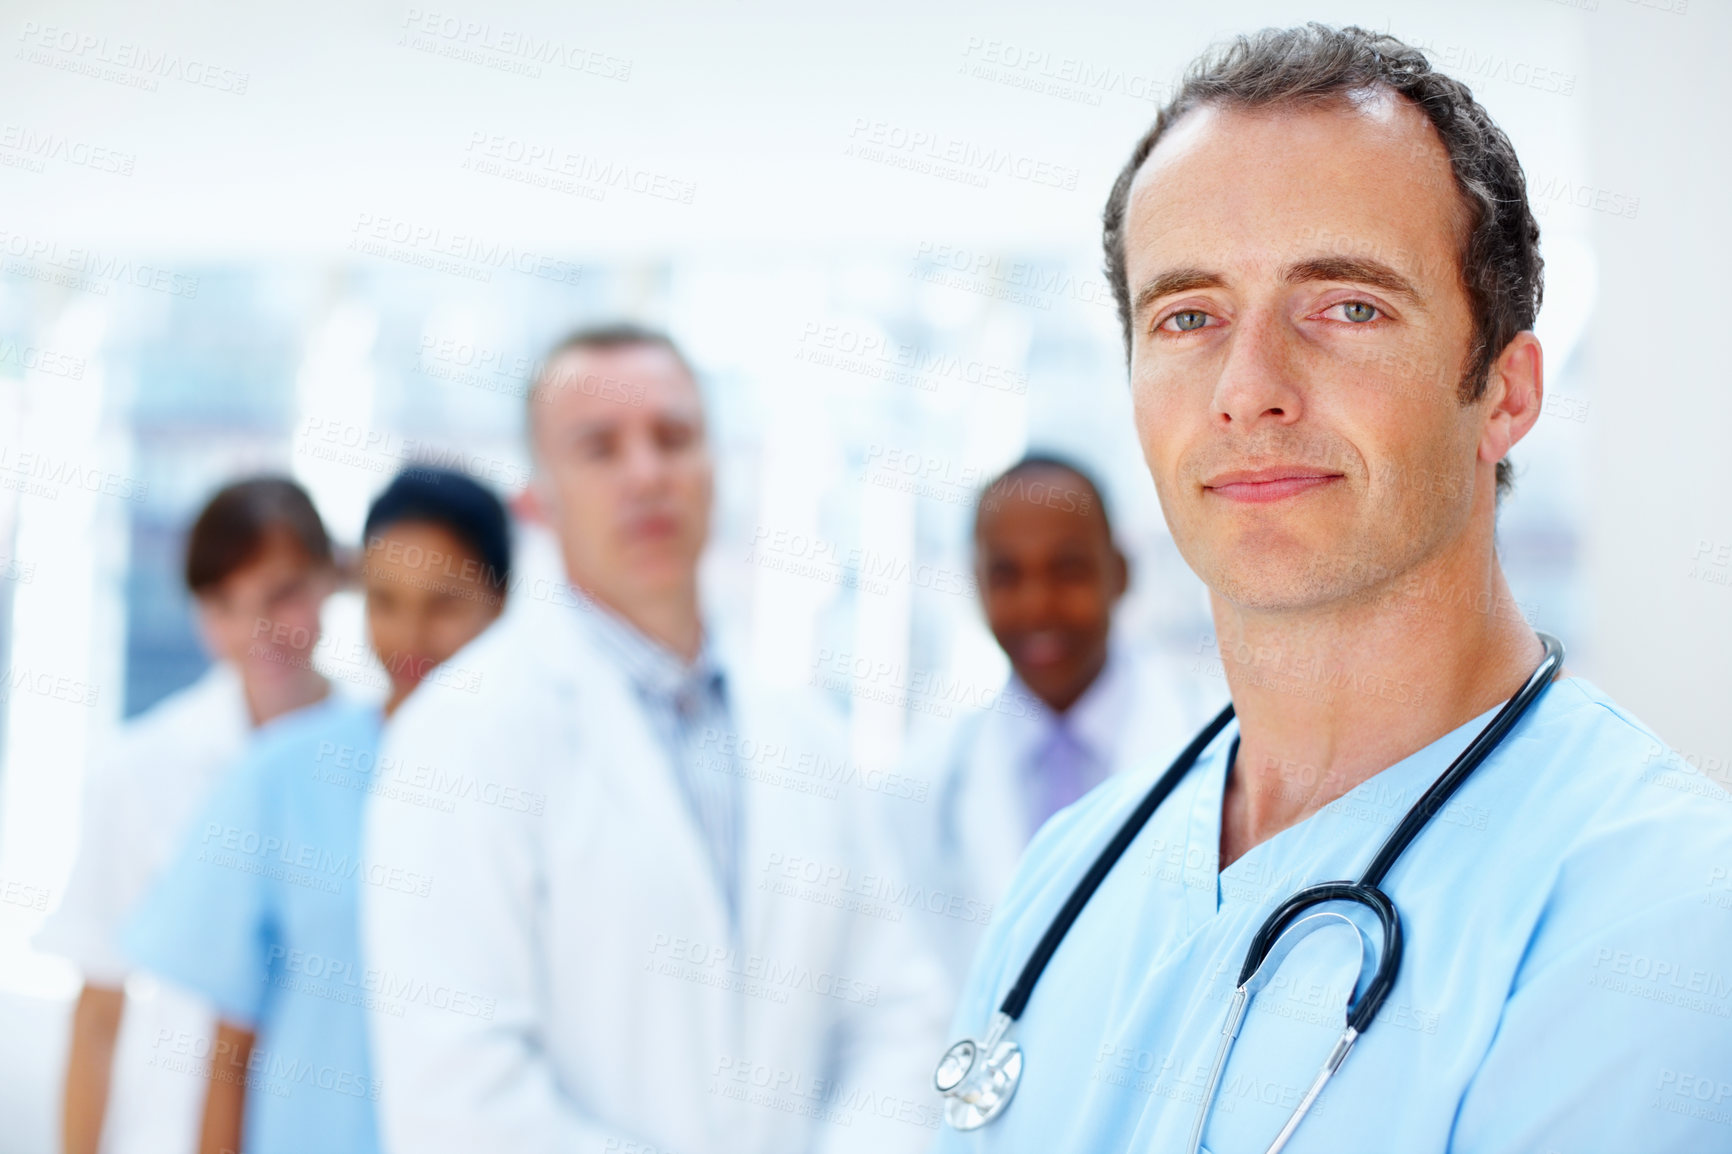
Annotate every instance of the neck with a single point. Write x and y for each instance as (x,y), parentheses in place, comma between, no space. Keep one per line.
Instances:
(1327,699)
(669,617)
(269,700)
(672,623)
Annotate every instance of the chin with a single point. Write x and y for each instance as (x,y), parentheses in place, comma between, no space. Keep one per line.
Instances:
(1271,580)
(653,573)
(1266,596)
(278,665)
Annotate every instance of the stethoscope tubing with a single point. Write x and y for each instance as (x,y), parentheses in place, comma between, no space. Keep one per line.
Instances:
(1017,999)
(1285,924)
(1364,891)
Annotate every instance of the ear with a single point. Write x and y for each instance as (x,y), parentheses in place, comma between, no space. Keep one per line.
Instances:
(529,505)
(346,566)
(1122,581)
(1515,393)
(204,615)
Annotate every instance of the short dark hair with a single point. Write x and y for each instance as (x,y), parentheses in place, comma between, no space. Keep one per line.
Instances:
(999,487)
(453,501)
(238,522)
(1500,260)
(605,336)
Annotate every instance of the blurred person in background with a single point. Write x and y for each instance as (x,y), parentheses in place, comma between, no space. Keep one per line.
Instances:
(1080,704)
(259,567)
(619,962)
(257,913)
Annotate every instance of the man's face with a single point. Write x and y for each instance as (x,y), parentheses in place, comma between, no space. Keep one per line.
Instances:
(1049,577)
(624,472)
(1299,332)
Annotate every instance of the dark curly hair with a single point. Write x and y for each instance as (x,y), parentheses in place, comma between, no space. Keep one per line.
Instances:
(1500,260)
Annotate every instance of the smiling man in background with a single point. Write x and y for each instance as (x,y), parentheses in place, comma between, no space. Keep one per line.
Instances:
(1079,706)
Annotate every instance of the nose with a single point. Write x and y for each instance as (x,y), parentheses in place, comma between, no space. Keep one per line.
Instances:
(1257,382)
(1029,596)
(645,463)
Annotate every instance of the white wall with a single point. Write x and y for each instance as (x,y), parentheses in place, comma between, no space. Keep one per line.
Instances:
(1659,556)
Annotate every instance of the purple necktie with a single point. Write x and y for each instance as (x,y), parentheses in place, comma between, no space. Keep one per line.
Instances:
(1061,774)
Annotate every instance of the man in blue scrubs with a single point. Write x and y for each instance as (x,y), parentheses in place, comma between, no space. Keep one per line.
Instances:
(1328,275)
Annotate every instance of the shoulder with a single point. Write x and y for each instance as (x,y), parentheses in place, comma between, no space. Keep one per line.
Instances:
(509,673)
(510,720)
(172,749)
(945,755)
(774,728)
(208,711)
(1614,775)
(1637,843)
(324,730)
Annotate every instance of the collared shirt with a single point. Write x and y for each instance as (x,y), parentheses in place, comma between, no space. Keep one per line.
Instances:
(1063,756)
(683,702)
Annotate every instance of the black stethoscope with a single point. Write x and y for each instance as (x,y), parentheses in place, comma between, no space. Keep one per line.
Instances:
(978,1079)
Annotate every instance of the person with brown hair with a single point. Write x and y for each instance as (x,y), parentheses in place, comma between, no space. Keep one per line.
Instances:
(258,567)
(1419,887)
(257,911)
(641,932)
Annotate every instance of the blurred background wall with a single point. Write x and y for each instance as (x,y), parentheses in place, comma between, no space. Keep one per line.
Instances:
(329,238)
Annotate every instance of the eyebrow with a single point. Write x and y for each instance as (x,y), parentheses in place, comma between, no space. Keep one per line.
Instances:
(1178,280)
(588,429)
(1355,270)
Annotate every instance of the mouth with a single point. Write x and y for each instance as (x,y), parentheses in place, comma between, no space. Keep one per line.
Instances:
(652,527)
(1276,483)
(1042,648)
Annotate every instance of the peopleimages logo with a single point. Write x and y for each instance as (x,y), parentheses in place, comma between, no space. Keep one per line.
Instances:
(932,152)
(483,42)
(89,270)
(785,873)
(136,65)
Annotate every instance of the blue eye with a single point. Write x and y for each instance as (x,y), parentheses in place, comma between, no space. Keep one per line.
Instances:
(1189,320)
(1359,312)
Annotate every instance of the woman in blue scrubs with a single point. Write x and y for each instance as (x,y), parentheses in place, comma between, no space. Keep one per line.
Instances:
(258,912)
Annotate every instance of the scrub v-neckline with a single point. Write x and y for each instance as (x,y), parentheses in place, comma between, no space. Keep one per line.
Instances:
(1204,880)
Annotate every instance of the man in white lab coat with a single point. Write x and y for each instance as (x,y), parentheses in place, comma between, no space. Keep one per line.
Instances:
(630,941)
(1080,704)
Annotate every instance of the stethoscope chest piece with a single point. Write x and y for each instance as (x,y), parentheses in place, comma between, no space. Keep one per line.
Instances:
(954,1066)
(978,1079)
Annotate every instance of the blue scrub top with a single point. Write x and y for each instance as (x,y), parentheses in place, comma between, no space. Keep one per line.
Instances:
(257,913)
(1566,984)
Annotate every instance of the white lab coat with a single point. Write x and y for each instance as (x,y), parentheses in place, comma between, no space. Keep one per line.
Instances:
(139,796)
(566,981)
(968,851)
